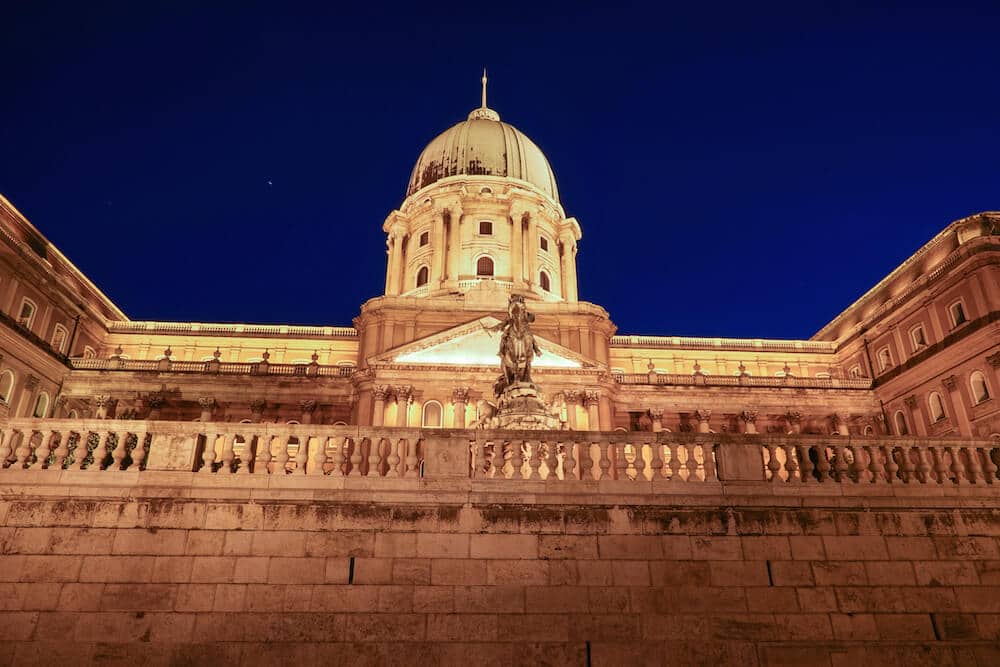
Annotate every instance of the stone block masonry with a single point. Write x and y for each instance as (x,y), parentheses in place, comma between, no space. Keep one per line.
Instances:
(133,576)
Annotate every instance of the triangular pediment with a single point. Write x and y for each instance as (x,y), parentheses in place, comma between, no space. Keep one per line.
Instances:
(475,344)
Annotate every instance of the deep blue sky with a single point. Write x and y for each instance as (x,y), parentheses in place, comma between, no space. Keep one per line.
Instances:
(738,169)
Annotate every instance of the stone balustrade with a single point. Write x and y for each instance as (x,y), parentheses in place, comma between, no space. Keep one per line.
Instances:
(564,458)
(212,367)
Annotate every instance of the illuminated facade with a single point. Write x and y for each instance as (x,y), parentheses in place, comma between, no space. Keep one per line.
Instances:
(198,493)
(482,219)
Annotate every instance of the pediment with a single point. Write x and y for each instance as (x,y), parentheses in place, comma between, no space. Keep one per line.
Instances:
(474,344)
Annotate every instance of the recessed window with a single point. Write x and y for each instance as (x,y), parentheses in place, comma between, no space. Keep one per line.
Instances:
(957,313)
(486,228)
(918,338)
(432,415)
(980,390)
(855,372)
(41,405)
(900,420)
(884,359)
(543,243)
(425,238)
(89,352)
(422,274)
(27,316)
(484,266)
(59,338)
(823,375)
(6,385)
(936,405)
(543,280)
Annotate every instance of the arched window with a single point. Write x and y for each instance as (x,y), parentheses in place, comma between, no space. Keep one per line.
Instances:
(59,338)
(884,359)
(957,313)
(936,406)
(486,228)
(918,338)
(27,315)
(900,420)
(432,415)
(41,405)
(6,385)
(484,266)
(543,280)
(869,430)
(89,352)
(422,274)
(980,390)
(855,371)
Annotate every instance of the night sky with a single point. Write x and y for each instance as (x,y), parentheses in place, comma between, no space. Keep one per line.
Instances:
(737,169)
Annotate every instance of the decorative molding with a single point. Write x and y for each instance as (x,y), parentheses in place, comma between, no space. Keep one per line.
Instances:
(703,415)
(749,416)
(257,406)
(950,382)
(307,405)
(591,398)
(460,395)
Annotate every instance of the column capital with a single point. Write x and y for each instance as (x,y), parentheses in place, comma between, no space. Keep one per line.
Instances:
(31,382)
(403,393)
(572,396)
(950,382)
(380,392)
(703,415)
(910,401)
(793,416)
(994,359)
(749,416)
(591,397)
(460,395)
(308,405)
(257,406)
(656,413)
(206,402)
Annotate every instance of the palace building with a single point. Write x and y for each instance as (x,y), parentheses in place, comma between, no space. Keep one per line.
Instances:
(340,488)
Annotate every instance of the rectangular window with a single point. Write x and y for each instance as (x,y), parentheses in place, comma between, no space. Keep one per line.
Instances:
(543,243)
(425,238)
(486,228)
(957,312)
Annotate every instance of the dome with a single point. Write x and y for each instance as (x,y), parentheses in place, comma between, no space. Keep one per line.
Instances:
(482,145)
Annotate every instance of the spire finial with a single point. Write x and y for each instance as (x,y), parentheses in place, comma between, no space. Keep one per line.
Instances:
(484,89)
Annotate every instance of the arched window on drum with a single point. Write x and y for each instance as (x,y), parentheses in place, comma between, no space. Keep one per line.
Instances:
(432,415)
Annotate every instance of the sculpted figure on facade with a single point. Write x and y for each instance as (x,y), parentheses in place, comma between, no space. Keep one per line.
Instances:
(517,345)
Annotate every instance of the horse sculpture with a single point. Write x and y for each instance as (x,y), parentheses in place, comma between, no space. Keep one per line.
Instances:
(517,345)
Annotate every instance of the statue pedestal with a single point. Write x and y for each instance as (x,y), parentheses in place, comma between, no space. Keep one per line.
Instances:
(520,408)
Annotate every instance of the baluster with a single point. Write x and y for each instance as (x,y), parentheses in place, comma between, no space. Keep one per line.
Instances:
(692,464)
(356,457)
(605,463)
(535,459)
(708,457)
(806,467)
(394,458)
(139,453)
(773,464)
(283,456)
(569,470)
(23,449)
(121,448)
(517,459)
(262,465)
(840,467)
(923,466)
(822,463)
(62,451)
(656,462)
(246,454)
(586,462)
(342,457)
(100,451)
(228,452)
(320,456)
(974,471)
(375,456)
(5,451)
(43,449)
(876,468)
(410,459)
(957,467)
(891,465)
(940,468)
(906,463)
(621,463)
(989,467)
(640,463)
(675,461)
(791,462)
(302,455)
(859,470)
(208,454)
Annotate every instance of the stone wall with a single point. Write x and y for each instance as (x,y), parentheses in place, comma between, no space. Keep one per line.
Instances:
(214,574)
